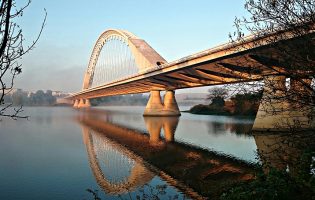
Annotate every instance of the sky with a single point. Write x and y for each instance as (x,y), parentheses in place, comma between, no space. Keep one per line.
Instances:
(174,28)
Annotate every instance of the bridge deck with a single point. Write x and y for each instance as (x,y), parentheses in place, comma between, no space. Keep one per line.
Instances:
(245,61)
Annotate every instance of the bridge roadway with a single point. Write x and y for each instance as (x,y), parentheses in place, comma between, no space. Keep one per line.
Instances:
(220,65)
(252,59)
(227,63)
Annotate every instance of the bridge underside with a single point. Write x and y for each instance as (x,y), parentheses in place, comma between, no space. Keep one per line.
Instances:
(226,71)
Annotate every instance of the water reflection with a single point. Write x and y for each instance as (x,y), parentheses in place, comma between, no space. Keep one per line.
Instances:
(116,170)
(179,164)
(232,135)
(229,125)
(286,151)
(154,126)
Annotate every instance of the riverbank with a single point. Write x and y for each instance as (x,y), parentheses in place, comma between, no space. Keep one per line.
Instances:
(229,109)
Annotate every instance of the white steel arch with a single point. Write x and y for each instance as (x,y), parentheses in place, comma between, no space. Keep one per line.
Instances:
(118,54)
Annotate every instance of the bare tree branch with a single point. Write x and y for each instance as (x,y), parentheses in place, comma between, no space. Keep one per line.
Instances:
(12,49)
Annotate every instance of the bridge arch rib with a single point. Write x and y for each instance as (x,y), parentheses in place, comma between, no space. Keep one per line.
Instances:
(118,54)
(138,175)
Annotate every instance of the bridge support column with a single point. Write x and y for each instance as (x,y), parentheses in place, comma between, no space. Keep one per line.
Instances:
(280,112)
(84,103)
(154,105)
(76,103)
(170,104)
(272,107)
(156,108)
(301,112)
(87,103)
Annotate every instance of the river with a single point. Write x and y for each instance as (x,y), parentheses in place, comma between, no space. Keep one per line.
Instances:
(116,153)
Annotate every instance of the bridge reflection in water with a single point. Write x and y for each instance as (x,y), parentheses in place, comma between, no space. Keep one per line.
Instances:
(123,159)
(116,169)
(192,170)
(287,151)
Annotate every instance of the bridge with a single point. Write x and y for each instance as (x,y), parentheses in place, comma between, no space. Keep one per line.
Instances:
(122,63)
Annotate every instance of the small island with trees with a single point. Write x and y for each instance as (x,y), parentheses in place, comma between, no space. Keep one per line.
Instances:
(240,104)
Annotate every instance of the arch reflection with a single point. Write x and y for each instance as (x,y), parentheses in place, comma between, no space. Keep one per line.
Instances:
(177,163)
(116,170)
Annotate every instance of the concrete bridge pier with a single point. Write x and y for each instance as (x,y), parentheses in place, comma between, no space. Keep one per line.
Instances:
(280,112)
(155,107)
(170,104)
(76,103)
(301,111)
(84,103)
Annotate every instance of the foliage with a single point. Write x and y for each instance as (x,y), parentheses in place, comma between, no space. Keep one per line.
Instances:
(208,110)
(39,98)
(217,96)
(278,21)
(287,170)
(277,185)
(216,106)
(12,49)
(283,20)
(243,104)
(247,103)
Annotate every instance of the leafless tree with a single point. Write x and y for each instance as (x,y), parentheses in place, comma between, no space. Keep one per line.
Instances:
(288,31)
(277,22)
(12,49)
(217,92)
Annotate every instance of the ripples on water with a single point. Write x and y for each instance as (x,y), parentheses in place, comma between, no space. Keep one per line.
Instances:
(56,155)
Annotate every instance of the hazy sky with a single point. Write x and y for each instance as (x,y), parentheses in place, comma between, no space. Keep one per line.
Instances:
(174,28)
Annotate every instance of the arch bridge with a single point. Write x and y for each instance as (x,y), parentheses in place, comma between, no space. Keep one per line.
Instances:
(121,63)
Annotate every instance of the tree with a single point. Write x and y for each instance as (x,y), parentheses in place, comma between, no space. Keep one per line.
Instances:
(50,99)
(217,96)
(19,98)
(12,49)
(247,103)
(291,92)
(279,21)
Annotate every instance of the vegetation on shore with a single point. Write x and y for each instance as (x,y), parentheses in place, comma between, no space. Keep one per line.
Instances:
(23,98)
(245,104)
(133,99)
(278,184)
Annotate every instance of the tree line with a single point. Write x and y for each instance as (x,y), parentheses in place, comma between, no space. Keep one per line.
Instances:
(39,98)
(240,104)
(131,99)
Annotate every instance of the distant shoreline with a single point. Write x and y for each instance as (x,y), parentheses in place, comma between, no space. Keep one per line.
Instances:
(217,114)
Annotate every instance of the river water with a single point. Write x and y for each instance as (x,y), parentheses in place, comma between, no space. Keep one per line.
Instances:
(116,153)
